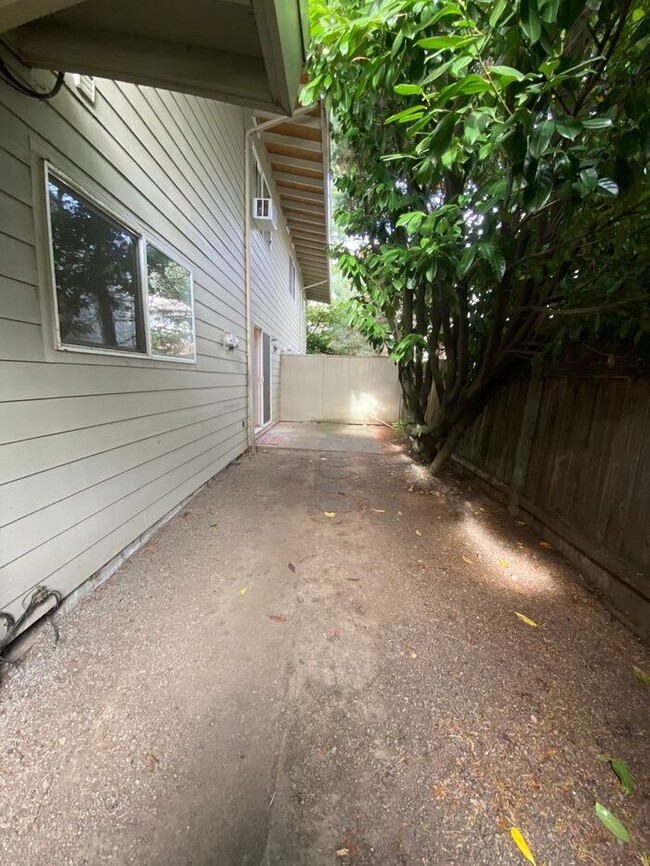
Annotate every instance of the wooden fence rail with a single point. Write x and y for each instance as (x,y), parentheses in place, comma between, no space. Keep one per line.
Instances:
(575,454)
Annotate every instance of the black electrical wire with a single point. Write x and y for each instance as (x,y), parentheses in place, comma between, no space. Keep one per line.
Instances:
(39,597)
(9,78)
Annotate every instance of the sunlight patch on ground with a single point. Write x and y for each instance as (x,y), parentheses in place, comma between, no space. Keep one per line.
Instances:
(511,564)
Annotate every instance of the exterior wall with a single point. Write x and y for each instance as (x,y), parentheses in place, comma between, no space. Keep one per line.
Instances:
(98,448)
(346,389)
(273,308)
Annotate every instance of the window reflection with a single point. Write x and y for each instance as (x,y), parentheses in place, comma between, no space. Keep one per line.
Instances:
(96,274)
(170,306)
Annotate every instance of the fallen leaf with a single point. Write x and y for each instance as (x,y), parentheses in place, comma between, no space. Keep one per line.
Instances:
(503,563)
(411,653)
(417,532)
(642,677)
(243,590)
(520,842)
(611,822)
(277,617)
(343,852)
(521,522)
(546,544)
(468,560)
(525,619)
(292,566)
(212,525)
(621,770)
(330,513)
(379,510)
(152,762)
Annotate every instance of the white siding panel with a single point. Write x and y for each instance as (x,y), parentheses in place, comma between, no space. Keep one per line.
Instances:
(97,448)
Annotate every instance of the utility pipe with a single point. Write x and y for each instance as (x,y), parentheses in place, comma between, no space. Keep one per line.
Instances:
(250,370)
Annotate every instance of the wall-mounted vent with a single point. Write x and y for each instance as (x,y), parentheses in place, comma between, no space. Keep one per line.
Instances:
(85,84)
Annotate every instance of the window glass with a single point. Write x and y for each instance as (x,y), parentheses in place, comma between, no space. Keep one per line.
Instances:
(96,274)
(171,323)
(292,278)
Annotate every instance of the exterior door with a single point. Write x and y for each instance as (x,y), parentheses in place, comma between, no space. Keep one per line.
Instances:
(262,348)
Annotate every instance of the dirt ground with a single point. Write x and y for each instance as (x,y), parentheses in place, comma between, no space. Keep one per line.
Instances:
(321,654)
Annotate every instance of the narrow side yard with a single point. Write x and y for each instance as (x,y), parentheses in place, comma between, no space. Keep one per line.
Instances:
(320,662)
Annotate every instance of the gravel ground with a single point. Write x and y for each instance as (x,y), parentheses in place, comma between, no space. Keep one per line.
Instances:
(319,655)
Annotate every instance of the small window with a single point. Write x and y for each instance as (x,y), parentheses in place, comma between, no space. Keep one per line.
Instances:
(171,324)
(115,290)
(292,279)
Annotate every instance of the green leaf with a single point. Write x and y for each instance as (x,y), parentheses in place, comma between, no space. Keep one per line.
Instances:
(588,180)
(641,676)
(540,137)
(442,135)
(607,187)
(530,20)
(466,261)
(497,12)
(597,122)
(615,827)
(434,43)
(412,113)
(494,258)
(623,772)
(568,126)
(408,89)
(507,72)
(539,191)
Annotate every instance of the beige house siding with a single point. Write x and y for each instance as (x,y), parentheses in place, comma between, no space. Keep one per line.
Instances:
(94,448)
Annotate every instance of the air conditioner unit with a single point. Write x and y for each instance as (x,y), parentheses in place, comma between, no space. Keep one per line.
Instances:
(264,212)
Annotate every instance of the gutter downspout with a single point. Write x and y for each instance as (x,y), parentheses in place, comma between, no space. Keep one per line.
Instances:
(250,371)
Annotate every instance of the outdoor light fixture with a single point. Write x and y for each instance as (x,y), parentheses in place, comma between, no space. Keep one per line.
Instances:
(230,341)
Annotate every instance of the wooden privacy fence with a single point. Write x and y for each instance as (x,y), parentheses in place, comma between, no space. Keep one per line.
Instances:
(575,454)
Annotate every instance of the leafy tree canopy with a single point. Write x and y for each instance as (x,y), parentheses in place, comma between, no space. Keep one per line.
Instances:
(492,165)
(330,327)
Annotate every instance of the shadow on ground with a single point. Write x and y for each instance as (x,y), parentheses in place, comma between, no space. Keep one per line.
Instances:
(321,654)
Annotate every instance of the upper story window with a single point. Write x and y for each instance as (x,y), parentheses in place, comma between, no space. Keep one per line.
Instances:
(263,208)
(115,290)
(292,279)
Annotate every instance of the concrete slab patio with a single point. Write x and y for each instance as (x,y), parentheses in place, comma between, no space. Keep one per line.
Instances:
(327,436)
(319,662)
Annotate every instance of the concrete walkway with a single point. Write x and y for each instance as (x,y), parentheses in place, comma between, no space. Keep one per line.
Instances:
(327,436)
(319,655)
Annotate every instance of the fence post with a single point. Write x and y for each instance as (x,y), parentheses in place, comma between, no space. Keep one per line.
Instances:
(526,437)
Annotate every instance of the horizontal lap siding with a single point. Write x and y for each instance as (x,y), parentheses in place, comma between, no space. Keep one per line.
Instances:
(273,308)
(96,449)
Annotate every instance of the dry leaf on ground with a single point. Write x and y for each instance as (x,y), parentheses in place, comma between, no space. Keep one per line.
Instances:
(417,532)
(243,590)
(546,544)
(526,619)
(277,617)
(520,842)
(330,513)
(468,560)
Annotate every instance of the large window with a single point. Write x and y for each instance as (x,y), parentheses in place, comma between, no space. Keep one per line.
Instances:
(115,290)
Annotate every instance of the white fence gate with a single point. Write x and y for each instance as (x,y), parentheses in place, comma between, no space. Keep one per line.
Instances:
(342,388)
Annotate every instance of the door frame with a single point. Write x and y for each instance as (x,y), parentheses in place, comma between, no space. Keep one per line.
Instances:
(259,425)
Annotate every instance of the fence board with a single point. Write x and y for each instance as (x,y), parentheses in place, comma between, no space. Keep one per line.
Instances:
(588,477)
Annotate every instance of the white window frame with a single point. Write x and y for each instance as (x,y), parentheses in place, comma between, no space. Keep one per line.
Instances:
(292,278)
(266,234)
(143,235)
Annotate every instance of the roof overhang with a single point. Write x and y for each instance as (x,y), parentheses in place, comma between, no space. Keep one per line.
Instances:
(250,52)
(298,152)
